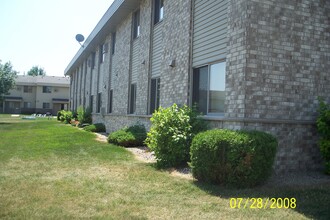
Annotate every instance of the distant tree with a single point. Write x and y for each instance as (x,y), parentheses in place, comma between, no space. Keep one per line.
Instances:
(36,71)
(7,78)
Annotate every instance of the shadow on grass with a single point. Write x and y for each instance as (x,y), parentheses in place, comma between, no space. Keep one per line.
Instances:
(312,201)
(5,123)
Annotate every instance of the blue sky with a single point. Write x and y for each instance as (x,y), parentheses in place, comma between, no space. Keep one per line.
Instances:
(42,32)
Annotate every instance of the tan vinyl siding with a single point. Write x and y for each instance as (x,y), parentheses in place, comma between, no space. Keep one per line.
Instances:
(135,61)
(210,31)
(157,50)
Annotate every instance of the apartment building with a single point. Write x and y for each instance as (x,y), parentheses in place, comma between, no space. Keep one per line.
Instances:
(37,94)
(247,64)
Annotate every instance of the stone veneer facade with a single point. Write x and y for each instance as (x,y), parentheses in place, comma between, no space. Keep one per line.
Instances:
(278,61)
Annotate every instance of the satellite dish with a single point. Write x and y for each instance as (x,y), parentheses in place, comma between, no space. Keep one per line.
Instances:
(80,38)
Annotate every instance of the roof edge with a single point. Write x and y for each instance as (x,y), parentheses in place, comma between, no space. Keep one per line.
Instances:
(87,45)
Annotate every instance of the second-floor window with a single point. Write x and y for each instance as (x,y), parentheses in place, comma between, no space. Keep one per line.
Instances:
(46,89)
(158,11)
(27,89)
(103,51)
(136,24)
(93,60)
(113,43)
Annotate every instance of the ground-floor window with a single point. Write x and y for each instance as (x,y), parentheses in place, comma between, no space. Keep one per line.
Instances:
(91,103)
(154,95)
(14,105)
(99,103)
(46,105)
(209,88)
(132,102)
(27,104)
(110,101)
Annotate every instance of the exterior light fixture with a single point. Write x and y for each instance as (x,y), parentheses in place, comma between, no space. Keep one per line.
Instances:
(172,63)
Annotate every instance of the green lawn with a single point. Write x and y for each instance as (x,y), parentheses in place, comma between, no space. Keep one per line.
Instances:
(50,170)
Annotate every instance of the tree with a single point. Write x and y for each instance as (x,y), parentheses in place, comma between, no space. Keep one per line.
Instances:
(7,78)
(36,71)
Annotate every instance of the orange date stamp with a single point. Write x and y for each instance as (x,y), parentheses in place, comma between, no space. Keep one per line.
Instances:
(263,203)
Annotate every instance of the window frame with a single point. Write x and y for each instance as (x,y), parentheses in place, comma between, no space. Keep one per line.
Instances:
(91,102)
(102,52)
(113,43)
(46,89)
(158,11)
(45,104)
(211,114)
(93,55)
(110,104)
(154,94)
(27,89)
(99,102)
(136,24)
(27,105)
(132,99)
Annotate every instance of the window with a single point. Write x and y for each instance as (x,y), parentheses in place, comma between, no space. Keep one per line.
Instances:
(45,105)
(110,101)
(46,89)
(27,104)
(99,103)
(27,89)
(158,11)
(113,43)
(136,24)
(154,95)
(14,105)
(91,102)
(209,88)
(92,60)
(132,103)
(103,51)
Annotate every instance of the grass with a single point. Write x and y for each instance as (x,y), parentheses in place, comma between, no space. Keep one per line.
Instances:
(51,170)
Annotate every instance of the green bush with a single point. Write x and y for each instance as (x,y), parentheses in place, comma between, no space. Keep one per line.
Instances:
(84,115)
(129,137)
(323,127)
(98,127)
(75,115)
(236,158)
(59,114)
(66,116)
(171,133)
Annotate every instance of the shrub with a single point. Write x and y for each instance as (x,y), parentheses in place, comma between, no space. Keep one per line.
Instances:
(171,134)
(84,115)
(129,137)
(75,115)
(323,127)
(66,116)
(237,158)
(59,114)
(98,127)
